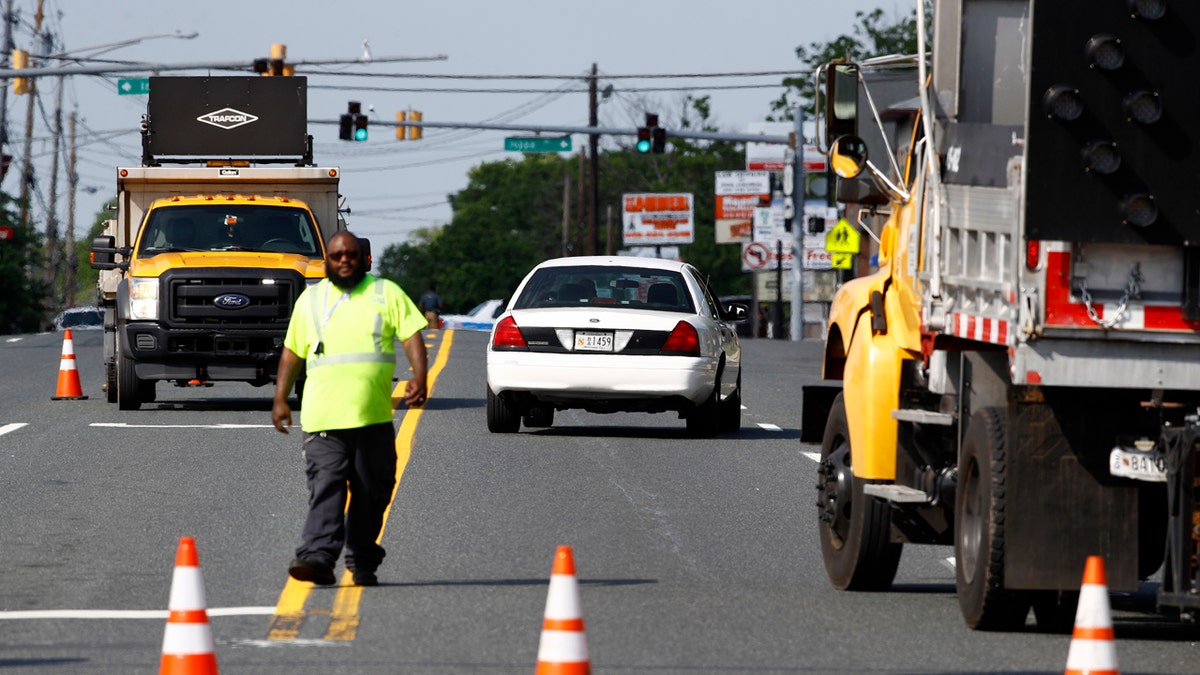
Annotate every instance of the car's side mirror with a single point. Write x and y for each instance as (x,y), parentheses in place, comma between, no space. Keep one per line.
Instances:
(735,311)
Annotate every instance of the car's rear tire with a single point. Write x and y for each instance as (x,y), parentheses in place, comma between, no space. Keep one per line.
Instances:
(540,416)
(501,417)
(702,421)
(729,415)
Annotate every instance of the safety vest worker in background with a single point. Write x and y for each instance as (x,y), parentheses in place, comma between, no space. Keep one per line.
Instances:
(342,332)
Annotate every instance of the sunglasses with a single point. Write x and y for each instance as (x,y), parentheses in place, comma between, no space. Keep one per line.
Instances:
(337,256)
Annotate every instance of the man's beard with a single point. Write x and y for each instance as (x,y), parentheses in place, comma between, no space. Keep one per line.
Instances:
(345,283)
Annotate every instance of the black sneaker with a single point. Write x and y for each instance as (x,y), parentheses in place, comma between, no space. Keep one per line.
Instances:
(365,578)
(307,569)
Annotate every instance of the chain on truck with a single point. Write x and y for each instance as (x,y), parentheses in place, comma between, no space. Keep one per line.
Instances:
(1020,379)
(204,260)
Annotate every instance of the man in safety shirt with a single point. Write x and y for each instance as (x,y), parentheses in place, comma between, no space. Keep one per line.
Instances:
(342,331)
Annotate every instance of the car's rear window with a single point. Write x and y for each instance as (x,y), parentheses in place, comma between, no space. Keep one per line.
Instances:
(599,285)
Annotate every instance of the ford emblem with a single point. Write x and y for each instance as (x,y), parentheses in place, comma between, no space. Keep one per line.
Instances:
(231,301)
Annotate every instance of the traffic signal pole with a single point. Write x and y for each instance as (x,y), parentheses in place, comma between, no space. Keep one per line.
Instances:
(594,178)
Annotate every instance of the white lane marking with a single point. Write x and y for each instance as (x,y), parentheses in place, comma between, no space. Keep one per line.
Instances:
(125,425)
(16,339)
(294,643)
(814,456)
(12,427)
(769,427)
(950,562)
(126,613)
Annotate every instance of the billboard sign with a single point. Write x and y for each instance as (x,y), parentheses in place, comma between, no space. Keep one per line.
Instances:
(657,219)
(738,193)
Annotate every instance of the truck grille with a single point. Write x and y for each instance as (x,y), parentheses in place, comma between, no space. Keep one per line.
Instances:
(233,297)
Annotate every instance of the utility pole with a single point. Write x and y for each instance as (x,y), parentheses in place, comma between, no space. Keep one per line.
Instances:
(566,221)
(27,168)
(52,253)
(594,148)
(72,182)
(8,47)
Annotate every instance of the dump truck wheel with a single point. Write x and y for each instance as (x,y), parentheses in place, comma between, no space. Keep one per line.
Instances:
(979,521)
(855,529)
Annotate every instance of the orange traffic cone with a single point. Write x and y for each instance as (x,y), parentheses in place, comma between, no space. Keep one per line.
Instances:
(187,642)
(68,375)
(1093,649)
(563,646)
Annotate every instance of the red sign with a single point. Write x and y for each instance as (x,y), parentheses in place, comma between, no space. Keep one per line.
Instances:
(6,233)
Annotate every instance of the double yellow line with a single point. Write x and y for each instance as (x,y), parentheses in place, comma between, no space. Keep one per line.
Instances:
(343,616)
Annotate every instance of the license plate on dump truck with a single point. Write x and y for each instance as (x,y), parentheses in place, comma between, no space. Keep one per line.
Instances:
(1147,466)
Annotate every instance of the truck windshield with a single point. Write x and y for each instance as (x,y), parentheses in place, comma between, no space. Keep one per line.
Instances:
(229,227)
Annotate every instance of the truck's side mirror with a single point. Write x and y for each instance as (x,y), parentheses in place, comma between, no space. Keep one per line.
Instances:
(848,156)
(104,252)
(841,101)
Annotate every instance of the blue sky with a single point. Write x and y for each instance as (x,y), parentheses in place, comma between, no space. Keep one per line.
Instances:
(395,187)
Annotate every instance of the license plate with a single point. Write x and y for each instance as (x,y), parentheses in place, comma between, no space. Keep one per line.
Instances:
(1147,466)
(586,341)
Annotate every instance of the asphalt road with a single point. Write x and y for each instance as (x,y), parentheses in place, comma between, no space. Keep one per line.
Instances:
(693,556)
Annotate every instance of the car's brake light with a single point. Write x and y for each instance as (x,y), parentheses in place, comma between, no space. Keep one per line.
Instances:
(683,340)
(508,334)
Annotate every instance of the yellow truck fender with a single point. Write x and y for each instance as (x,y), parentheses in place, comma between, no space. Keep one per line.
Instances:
(870,371)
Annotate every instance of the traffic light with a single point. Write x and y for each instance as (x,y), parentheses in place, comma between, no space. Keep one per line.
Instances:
(401,131)
(20,60)
(648,137)
(415,133)
(275,66)
(658,139)
(643,139)
(1111,96)
(352,126)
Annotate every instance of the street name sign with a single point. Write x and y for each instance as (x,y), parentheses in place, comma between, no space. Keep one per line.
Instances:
(133,85)
(537,144)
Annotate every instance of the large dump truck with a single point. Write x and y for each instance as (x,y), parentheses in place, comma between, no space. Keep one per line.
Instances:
(203,261)
(1021,377)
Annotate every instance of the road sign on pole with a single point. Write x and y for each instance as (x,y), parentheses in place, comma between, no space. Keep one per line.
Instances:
(537,144)
(133,85)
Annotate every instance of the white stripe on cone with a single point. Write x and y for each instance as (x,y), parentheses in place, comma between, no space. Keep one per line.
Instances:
(187,589)
(185,639)
(562,600)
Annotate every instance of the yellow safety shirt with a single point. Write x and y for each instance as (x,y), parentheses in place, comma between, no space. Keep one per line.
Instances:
(347,340)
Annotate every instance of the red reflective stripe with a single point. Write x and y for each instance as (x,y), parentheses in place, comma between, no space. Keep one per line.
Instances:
(1060,311)
(563,624)
(1082,633)
(188,616)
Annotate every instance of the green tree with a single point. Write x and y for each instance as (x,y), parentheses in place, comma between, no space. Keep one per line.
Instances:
(874,34)
(86,277)
(23,302)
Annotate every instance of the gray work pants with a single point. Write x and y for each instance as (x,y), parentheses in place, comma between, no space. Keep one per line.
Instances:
(364,460)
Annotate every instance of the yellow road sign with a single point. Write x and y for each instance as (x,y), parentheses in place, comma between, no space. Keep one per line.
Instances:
(842,261)
(842,239)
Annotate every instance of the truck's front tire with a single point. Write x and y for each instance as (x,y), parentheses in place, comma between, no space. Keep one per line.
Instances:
(129,388)
(979,522)
(855,529)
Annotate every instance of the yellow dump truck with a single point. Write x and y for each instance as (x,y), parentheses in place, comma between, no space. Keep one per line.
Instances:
(203,261)
(1020,378)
